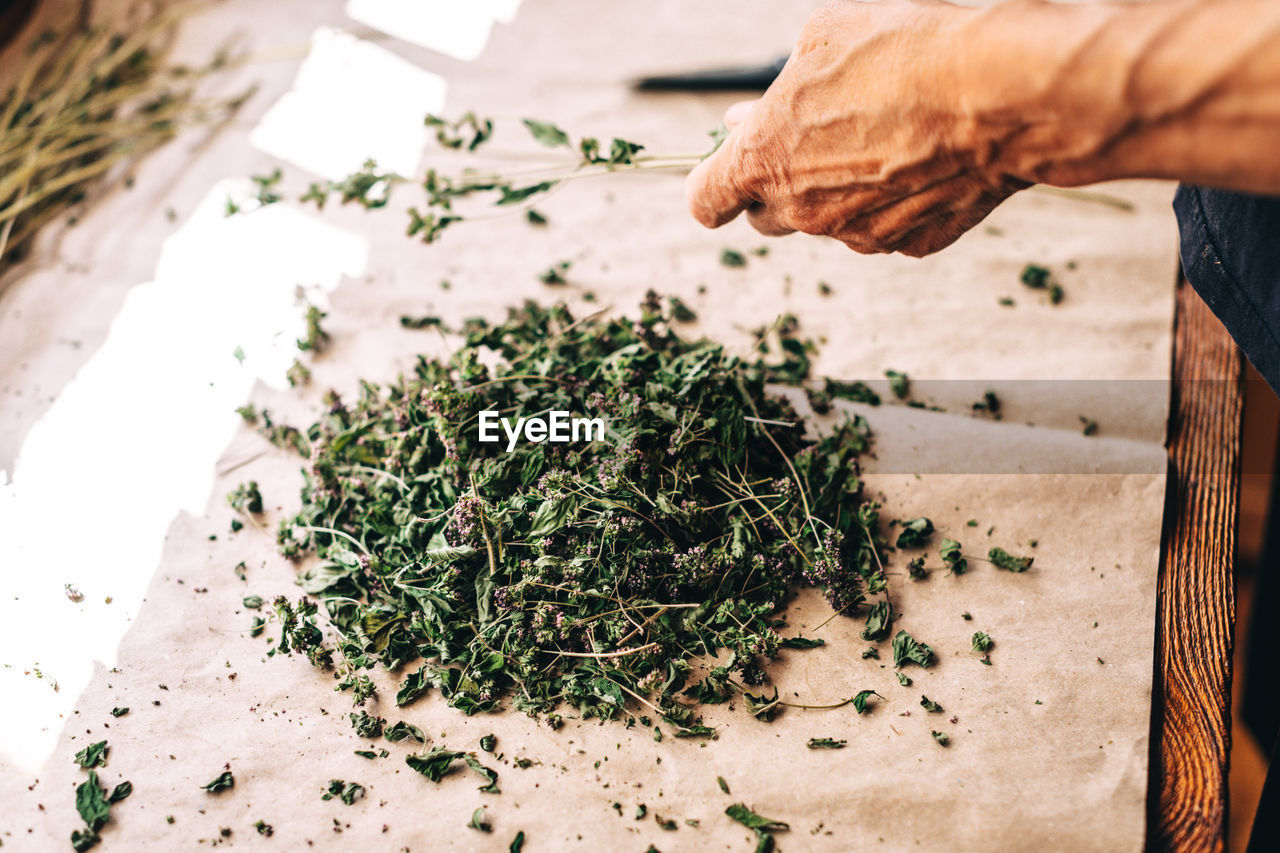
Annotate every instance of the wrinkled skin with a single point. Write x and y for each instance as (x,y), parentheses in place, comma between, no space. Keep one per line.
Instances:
(853,141)
(898,125)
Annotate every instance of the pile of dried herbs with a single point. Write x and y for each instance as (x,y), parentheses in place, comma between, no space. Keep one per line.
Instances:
(650,566)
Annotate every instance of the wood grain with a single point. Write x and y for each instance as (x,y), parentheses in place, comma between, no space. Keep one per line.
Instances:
(1195,609)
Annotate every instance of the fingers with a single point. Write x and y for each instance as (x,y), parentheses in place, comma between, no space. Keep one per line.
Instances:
(766,220)
(713,189)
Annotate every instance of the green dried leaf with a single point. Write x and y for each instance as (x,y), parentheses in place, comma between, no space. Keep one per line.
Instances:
(879,619)
(546,133)
(436,764)
(951,555)
(860,700)
(907,650)
(402,730)
(478,822)
(92,804)
(915,533)
(751,820)
(93,755)
(490,775)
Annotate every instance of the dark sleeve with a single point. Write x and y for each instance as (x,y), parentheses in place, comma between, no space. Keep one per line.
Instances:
(1231,256)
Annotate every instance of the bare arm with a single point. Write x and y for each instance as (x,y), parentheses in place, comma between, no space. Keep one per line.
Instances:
(899,125)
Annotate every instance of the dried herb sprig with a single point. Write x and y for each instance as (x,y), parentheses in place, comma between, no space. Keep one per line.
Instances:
(372,188)
(88,103)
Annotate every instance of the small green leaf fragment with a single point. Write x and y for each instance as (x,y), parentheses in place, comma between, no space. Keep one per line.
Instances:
(546,133)
(478,822)
(1002,559)
(915,532)
(859,700)
(221,782)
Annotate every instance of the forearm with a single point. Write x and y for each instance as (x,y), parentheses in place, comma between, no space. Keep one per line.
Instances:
(1186,90)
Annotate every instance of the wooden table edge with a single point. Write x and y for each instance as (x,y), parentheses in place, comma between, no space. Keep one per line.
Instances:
(1195,598)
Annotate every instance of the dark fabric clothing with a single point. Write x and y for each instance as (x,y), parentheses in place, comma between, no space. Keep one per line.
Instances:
(1231,256)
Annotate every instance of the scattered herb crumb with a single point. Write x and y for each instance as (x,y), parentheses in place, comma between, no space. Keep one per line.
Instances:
(1002,559)
(347,792)
(555,274)
(825,743)
(732,258)
(899,383)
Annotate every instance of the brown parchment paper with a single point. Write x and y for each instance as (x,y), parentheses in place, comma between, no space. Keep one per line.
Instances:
(1048,744)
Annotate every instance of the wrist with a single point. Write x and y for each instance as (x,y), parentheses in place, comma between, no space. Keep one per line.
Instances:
(1047,87)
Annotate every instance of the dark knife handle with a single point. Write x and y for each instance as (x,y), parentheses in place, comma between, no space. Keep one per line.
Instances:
(745,78)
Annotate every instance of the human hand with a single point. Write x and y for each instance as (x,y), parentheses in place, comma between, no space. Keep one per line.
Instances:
(866,136)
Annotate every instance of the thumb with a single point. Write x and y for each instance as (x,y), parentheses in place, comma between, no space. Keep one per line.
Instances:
(713,189)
